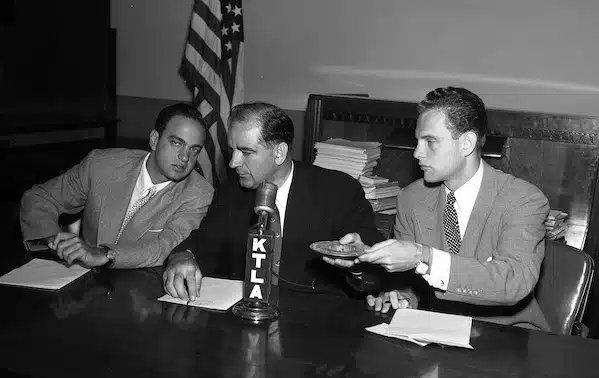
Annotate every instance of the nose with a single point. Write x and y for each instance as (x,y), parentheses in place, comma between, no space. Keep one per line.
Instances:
(235,159)
(184,154)
(418,151)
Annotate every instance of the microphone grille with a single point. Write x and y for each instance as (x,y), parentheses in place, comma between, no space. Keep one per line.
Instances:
(265,198)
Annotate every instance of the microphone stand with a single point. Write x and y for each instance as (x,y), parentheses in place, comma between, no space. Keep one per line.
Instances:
(263,249)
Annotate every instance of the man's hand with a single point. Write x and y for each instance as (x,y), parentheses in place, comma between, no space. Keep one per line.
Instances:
(182,277)
(71,247)
(393,299)
(352,238)
(393,255)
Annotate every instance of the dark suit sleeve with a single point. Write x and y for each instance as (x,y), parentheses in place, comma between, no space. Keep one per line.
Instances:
(356,214)
(206,242)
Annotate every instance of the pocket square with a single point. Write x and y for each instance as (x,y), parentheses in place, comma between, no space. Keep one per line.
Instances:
(156,230)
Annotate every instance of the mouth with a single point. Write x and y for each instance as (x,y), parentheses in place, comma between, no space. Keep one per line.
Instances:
(179,168)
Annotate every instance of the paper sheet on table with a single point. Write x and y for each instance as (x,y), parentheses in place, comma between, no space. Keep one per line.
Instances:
(44,274)
(215,294)
(425,327)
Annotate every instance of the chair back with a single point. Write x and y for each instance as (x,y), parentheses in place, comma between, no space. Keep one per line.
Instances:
(564,285)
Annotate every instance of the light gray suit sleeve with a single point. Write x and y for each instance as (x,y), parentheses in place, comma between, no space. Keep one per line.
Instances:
(516,254)
(154,247)
(43,203)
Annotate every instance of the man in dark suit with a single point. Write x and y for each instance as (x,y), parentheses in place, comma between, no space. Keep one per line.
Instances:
(136,205)
(314,204)
(473,233)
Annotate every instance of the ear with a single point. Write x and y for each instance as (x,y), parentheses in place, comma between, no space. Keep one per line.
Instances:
(280,152)
(154,136)
(468,142)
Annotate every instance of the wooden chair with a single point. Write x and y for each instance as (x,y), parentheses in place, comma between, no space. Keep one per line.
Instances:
(563,287)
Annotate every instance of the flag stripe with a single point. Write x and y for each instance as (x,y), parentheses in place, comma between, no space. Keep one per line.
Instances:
(211,14)
(212,67)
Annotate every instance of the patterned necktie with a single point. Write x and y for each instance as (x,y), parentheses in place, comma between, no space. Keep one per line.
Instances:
(450,224)
(136,206)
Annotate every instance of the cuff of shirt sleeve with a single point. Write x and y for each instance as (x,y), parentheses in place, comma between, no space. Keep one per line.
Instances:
(439,270)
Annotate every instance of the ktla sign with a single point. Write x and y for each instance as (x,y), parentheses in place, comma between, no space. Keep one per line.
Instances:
(258,264)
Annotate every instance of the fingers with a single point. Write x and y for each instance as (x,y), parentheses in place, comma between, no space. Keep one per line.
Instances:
(168,278)
(76,254)
(60,237)
(350,238)
(198,285)
(342,263)
(383,244)
(69,252)
(389,300)
(370,300)
(192,285)
(179,284)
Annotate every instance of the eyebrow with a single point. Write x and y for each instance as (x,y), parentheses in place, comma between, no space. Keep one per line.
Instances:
(426,136)
(184,142)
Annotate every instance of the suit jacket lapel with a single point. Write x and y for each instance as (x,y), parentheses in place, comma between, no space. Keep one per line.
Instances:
(481,210)
(116,196)
(141,221)
(430,217)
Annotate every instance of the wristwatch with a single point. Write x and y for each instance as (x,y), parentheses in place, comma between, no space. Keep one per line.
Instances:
(110,255)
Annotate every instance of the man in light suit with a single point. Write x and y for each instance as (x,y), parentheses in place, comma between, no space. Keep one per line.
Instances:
(136,205)
(481,254)
(314,204)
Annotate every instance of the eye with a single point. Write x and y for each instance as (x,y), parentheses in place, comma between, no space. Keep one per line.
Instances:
(196,150)
(175,143)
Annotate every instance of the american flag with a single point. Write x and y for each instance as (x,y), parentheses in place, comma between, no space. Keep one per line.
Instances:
(212,68)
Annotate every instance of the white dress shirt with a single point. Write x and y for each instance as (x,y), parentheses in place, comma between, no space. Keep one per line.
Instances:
(143,184)
(282,196)
(465,197)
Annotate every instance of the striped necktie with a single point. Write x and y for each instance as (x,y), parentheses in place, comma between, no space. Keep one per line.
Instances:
(136,206)
(450,224)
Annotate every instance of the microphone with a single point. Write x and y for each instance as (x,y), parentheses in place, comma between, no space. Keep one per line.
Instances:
(262,248)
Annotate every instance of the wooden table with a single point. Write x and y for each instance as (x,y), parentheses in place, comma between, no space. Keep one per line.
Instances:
(110,324)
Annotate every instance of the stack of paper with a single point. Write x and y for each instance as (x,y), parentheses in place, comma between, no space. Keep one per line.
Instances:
(215,294)
(425,327)
(44,274)
(354,158)
(555,226)
(381,193)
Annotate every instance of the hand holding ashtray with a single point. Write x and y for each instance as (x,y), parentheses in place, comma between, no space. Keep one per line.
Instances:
(337,250)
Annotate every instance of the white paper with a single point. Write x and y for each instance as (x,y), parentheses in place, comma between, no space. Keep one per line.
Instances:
(215,294)
(425,327)
(382,329)
(44,274)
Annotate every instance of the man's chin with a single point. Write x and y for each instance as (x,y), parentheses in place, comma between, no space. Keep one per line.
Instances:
(247,183)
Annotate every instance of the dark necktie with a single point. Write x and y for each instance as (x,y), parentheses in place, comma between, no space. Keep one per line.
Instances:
(450,224)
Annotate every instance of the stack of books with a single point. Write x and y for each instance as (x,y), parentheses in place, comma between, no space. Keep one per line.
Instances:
(380,192)
(555,226)
(354,158)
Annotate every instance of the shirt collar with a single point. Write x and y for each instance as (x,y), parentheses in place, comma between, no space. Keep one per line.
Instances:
(465,195)
(144,181)
(283,191)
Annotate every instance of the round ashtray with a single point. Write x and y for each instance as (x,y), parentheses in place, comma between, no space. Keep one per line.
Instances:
(338,250)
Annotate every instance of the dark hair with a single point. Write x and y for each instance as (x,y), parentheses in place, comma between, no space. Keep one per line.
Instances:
(277,127)
(179,109)
(464,110)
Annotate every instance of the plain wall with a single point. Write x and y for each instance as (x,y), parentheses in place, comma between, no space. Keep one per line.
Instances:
(536,55)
